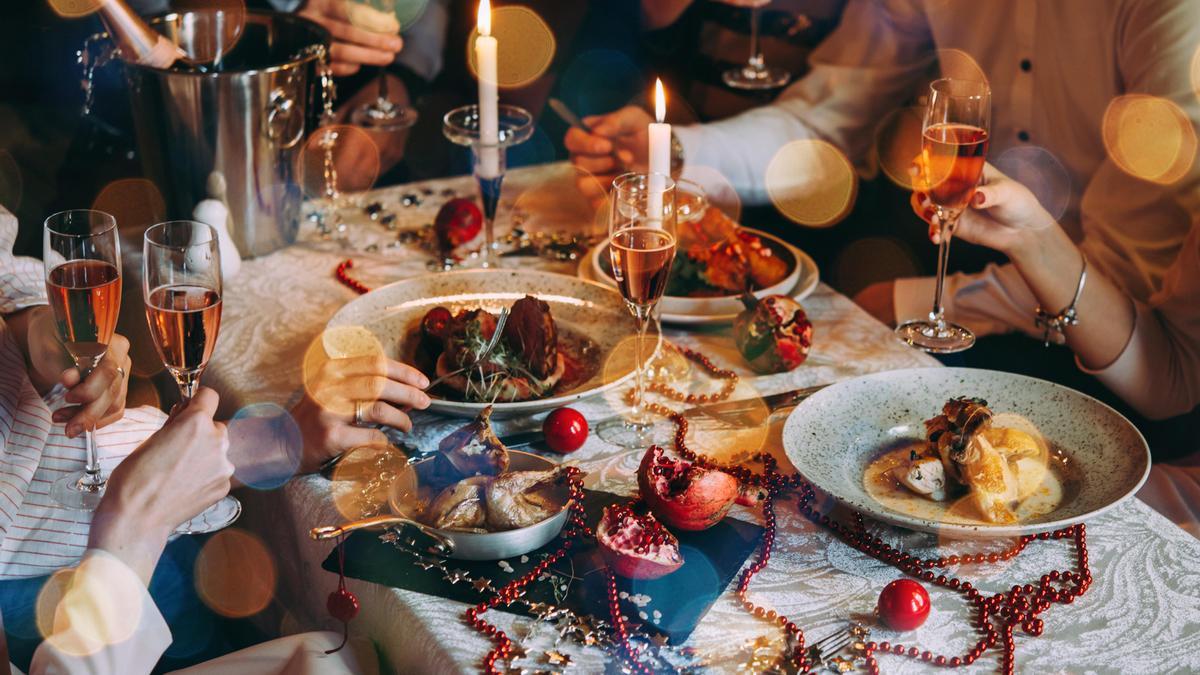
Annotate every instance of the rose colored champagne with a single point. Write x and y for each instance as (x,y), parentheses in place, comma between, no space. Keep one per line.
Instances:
(954,155)
(641,260)
(86,298)
(184,321)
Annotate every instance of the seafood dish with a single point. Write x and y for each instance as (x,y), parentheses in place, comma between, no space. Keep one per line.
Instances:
(533,358)
(995,468)
(468,486)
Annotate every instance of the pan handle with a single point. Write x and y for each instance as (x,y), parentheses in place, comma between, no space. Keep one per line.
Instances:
(441,546)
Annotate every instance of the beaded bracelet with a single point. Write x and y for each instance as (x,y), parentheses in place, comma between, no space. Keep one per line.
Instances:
(1058,323)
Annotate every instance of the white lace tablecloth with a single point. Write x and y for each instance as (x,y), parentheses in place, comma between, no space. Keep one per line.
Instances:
(1142,614)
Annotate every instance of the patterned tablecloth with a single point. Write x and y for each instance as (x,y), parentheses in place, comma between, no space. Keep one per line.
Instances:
(1141,615)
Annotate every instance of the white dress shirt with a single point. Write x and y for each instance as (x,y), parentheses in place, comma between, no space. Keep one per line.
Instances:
(1054,66)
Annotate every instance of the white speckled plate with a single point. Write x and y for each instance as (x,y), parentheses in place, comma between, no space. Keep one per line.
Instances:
(836,433)
(801,280)
(585,309)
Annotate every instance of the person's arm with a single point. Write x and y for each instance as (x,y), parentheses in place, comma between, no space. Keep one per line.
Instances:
(873,60)
(657,14)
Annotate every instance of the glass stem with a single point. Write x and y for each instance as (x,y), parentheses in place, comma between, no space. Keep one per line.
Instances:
(756,60)
(937,316)
(639,392)
(188,383)
(91,472)
(383,85)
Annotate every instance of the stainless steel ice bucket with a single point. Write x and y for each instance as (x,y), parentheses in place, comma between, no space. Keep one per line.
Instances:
(241,123)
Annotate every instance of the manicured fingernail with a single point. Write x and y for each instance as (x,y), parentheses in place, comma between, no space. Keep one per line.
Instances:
(423,382)
(395,44)
(979,199)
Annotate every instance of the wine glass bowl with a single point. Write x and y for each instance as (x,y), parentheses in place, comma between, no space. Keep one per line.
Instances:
(382,114)
(954,143)
(82,262)
(181,283)
(756,75)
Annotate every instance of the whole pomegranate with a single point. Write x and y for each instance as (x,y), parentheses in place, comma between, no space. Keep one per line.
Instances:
(773,334)
(636,546)
(457,222)
(682,494)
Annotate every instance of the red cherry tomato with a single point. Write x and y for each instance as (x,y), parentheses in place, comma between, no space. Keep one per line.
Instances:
(904,604)
(566,430)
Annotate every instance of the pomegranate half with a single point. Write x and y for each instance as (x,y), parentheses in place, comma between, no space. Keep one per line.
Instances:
(682,494)
(636,546)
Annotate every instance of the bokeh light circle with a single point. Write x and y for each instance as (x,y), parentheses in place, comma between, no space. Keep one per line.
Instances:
(212,28)
(362,481)
(561,202)
(1040,171)
(235,574)
(960,65)
(339,342)
(525,46)
(717,188)
(74,9)
(265,444)
(12,186)
(356,160)
(898,143)
(1149,138)
(136,203)
(101,601)
(871,259)
(811,183)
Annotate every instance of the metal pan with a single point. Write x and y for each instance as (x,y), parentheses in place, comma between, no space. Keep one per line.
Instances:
(459,545)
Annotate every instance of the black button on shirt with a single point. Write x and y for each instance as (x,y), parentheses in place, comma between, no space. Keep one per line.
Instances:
(1026,65)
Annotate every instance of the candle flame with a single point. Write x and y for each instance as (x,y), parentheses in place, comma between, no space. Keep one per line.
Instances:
(484,18)
(660,99)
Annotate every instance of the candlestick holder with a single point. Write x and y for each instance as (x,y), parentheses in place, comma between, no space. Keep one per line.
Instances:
(461,126)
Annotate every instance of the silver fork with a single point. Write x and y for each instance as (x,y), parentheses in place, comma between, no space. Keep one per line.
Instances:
(830,645)
(487,351)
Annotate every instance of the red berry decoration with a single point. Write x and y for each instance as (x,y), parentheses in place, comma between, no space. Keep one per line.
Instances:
(773,334)
(457,222)
(565,430)
(904,604)
(342,605)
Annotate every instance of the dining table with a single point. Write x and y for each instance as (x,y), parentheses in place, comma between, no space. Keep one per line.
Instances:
(1142,613)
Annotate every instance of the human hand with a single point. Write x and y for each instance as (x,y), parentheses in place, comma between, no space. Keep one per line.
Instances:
(1003,214)
(617,143)
(361,34)
(386,390)
(99,399)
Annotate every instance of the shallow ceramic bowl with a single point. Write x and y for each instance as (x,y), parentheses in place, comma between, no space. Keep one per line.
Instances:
(837,432)
(393,313)
(802,278)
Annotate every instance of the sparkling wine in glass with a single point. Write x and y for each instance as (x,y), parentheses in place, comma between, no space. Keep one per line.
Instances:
(181,280)
(755,75)
(954,146)
(82,258)
(641,248)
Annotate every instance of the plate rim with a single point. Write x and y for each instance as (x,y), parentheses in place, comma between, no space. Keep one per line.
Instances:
(502,409)
(981,531)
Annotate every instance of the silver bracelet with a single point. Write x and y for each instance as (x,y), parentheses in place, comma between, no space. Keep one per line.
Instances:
(1057,323)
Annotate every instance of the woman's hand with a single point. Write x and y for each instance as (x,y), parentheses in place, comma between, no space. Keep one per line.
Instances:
(99,399)
(383,389)
(179,471)
(1003,214)
(617,143)
(369,39)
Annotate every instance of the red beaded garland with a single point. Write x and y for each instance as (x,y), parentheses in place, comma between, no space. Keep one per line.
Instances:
(341,275)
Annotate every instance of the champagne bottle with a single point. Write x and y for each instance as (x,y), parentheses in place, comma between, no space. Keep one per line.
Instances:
(138,42)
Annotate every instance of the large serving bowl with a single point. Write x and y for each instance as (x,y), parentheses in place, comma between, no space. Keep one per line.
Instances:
(835,434)
(801,280)
(392,314)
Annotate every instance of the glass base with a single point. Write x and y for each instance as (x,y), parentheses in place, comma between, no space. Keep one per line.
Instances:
(947,339)
(216,517)
(74,491)
(384,115)
(633,435)
(750,78)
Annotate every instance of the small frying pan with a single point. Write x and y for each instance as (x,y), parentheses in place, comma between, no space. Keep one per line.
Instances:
(451,544)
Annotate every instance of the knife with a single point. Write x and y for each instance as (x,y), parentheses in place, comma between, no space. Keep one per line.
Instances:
(740,413)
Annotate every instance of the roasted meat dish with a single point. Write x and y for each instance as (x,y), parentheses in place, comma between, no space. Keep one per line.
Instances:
(525,364)
(966,451)
(717,257)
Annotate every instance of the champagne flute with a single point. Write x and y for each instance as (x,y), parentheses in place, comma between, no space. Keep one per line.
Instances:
(181,279)
(954,146)
(382,114)
(82,259)
(642,248)
(755,75)
(666,363)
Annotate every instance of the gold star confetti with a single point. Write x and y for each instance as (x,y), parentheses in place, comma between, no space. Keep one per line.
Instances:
(456,576)
(483,585)
(557,658)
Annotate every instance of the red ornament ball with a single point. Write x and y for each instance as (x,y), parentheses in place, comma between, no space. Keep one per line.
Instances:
(904,604)
(342,605)
(457,222)
(565,429)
